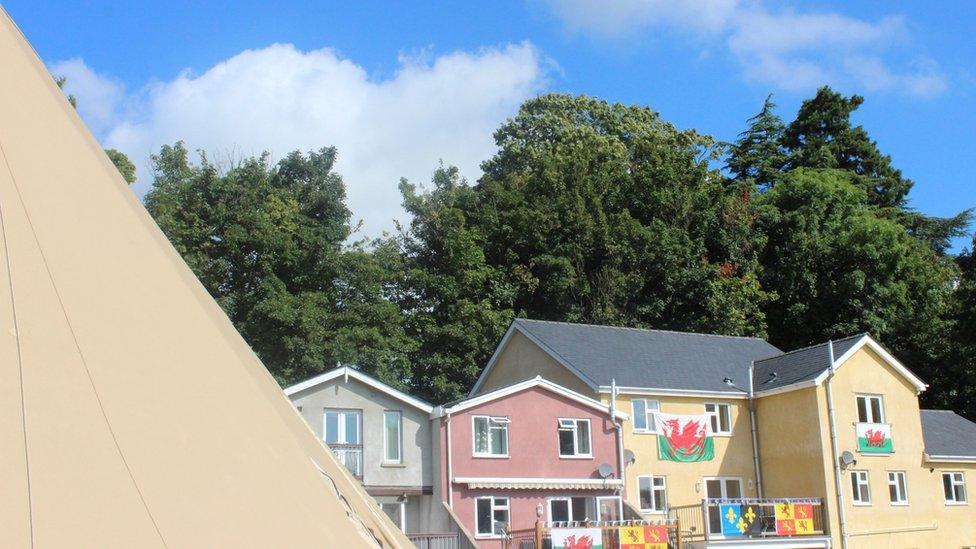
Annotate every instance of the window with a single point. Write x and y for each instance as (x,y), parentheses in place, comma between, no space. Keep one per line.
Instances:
(861,488)
(608,508)
(870,409)
(720,488)
(574,438)
(653,494)
(720,416)
(342,426)
(644,409)
(491,516)
(392,441)
(566,509)
(954,485)
(397,512)
(897,488)
(490,436)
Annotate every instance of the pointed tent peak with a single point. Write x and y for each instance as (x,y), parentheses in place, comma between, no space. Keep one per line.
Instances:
(115,355)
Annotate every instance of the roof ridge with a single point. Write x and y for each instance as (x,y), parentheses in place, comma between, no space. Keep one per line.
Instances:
(587,324)
(808,347)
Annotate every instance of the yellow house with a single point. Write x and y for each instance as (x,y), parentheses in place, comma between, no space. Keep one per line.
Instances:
(783,425)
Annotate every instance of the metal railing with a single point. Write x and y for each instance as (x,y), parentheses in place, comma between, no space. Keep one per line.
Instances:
(449,540)
(540,537)
(704,521)
(350,455)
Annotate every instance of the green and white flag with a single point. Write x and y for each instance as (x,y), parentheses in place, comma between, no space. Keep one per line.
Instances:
(684,438)
(874,438)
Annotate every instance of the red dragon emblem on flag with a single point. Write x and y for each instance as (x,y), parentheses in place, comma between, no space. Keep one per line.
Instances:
(876,438)
(684,438)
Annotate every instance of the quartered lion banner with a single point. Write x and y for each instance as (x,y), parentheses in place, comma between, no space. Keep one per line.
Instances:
(686,438)
(643,537)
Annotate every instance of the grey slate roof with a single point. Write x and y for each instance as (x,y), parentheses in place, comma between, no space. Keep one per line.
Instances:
(650,358)
(799,365)
(948,434)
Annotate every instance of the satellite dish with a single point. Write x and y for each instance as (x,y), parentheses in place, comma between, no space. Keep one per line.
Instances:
(605,470)
(847,459)
(629,456)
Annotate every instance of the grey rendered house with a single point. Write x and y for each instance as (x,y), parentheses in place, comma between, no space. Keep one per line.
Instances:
(383,436)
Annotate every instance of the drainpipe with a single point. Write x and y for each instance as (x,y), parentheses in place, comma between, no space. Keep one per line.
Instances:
(755,441)
(620,439)
(450,469)
(838,485)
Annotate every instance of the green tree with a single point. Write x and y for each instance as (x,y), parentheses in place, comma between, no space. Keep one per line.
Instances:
(121,161)
(840,268)
(455,305)
(960,371)
(268,244)
(758,155)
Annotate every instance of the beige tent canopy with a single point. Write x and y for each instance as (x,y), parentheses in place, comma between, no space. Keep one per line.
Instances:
(132,414)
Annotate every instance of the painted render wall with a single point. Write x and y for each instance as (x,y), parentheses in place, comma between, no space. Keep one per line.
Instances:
(685,484)
(533,453)
(522,359)
(931,522)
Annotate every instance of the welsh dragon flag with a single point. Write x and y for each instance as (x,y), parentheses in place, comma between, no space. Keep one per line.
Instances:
(684,438)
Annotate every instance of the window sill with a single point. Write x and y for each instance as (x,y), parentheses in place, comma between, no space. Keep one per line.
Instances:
(393,464)
(488,536)
(956,503)
(490,456)
(651,512)
(575,457)
(899,504)
(861,504)
(723,435)
(645,432)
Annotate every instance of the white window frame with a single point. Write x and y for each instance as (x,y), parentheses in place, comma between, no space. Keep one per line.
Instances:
(569,506)
(898,481)
(955,482)
(403,513)
(867,407)
(495,506)
(717,414)
(497,420)
(399,437)
(341,424)
(863,481)
(563,424)
(620,505)
(654,499)
(650,421)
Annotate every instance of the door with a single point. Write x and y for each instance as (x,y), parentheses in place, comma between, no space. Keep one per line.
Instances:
(720,488)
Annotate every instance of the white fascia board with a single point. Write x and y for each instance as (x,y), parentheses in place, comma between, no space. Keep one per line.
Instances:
(884,354)
(950,459)
(787,388)
(533,480)
(537,381)
(651,391)
(364,379)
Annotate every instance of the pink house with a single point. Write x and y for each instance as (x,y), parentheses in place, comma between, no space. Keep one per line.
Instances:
(532,449)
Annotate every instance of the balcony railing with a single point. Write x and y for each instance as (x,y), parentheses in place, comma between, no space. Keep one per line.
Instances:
(350,455)
(704,521)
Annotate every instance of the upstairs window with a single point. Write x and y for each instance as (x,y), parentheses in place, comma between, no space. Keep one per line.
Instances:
(720,414)
(644,410)
(392,439)
(870,409)
(490,436)
(897,488)
(861,488)
(574,438)
(954,485)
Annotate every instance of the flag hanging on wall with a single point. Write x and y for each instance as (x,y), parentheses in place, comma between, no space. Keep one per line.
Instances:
(740,520)
(874,438)
(577,538)
(684,438)
(643,537)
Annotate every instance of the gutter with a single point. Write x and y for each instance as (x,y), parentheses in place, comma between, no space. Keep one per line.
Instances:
(755,440)
(450,468)
(838,486)
(620,438)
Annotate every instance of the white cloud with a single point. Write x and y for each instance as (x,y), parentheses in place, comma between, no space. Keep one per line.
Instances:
(281,99)
(784,49)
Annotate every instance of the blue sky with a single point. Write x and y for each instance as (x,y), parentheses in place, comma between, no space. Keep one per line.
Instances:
(399,86)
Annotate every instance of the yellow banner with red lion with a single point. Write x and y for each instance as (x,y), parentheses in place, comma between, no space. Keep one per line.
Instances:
(643,537)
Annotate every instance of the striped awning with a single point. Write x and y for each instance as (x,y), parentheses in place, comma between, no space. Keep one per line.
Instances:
(540,483)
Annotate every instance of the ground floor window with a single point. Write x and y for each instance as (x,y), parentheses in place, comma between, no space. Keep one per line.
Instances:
(954,485)
(609,508)
(897,488)
(860,488)
(568,509)
(653,494)
(397,511)
(491,516)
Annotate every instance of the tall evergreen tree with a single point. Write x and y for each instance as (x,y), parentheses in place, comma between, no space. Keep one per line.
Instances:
(758,156)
